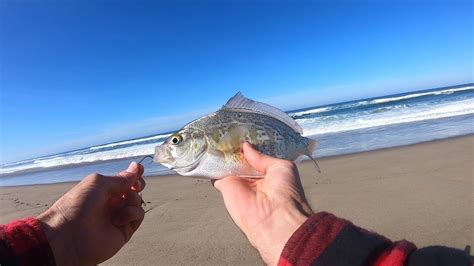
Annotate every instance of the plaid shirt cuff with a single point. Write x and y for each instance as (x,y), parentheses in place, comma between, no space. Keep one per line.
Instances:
(23,242)
(325,239)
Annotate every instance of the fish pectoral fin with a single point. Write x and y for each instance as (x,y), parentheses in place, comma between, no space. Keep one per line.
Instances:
(231,142)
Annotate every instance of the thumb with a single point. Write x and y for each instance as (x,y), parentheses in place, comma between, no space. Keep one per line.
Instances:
(257,160)
(124,180)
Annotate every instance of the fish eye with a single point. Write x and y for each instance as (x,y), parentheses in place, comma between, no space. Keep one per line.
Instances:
(176,139)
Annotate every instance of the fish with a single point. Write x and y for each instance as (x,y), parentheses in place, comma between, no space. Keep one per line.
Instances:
(211,146)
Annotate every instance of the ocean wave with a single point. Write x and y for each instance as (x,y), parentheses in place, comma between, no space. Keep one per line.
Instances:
(103,152)
(17,163)
(319,120)
(415,95)
(128,142)
(119,153)
(354,105)
(312,127)
(310,111)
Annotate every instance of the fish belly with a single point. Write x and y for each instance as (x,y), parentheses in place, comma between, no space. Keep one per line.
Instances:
(215,167)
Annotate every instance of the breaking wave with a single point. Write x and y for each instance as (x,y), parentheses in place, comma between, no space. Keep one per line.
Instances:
(374,119)
(365,113)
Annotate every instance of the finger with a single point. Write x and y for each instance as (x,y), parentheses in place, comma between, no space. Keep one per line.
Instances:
(133,168)
(133,199)
(116,202)
(220,184)
(135,224)
(137,169)
(127,231)
(256,159)
(234,185)
(127,215)
(238,194)
(123,181)
(213,182)
(139,185)
(128,220)
(141,170)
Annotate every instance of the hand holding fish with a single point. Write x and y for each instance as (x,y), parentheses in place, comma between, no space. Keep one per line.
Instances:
(92,221)
(267,210)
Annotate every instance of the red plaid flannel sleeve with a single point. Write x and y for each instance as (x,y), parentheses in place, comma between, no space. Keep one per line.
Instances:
(23,242)
(325,239)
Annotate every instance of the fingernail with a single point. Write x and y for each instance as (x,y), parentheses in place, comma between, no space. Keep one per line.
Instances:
(133,167)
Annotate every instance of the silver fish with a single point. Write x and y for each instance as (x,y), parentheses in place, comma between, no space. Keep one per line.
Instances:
(211,146)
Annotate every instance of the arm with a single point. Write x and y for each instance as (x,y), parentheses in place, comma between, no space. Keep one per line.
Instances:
(275,216)
(325,239)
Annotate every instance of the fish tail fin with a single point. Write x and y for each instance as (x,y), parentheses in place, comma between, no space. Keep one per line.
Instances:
(312,145)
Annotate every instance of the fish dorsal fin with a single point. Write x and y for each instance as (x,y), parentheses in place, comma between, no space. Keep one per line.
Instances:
(240,102)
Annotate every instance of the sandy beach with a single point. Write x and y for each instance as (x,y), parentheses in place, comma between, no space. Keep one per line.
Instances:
(422,193)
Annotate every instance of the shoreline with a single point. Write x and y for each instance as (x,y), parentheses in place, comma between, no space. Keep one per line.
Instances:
(422,193)
(62,167)
(175,174)
(397,147)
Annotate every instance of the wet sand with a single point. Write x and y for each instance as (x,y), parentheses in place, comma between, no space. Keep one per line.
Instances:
(423,193)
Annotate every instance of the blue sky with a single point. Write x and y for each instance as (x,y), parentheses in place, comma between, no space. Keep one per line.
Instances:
(79,73)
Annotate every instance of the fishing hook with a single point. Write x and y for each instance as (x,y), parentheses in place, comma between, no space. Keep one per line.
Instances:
(139,162)
(147,156)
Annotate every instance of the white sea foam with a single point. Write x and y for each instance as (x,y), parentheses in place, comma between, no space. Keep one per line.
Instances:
(311,111)
(128,142)
(415,95)
(119,153)
(311,127)
(384,100)
(18,163)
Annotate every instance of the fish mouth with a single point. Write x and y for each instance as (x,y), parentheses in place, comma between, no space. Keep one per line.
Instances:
(163,157)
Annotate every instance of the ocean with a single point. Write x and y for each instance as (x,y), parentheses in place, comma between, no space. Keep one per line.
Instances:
(340,128)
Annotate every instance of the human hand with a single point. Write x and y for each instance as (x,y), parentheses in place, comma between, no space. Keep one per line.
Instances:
(92,221)
(267,210)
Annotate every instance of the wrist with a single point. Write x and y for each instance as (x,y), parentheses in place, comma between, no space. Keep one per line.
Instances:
(272,234)
(60,240)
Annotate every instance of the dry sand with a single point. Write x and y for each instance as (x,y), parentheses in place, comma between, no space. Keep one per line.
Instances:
(423,193)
